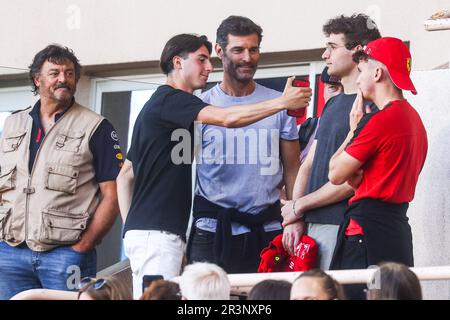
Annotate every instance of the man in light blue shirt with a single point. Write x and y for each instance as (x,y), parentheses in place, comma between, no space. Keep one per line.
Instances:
(236,204)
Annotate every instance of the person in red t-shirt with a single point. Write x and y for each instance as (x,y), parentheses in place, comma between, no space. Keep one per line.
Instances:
(381,158)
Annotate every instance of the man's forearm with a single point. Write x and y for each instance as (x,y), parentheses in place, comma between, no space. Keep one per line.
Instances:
(304,173)
(101,222)
(332,165)
(301,181)
(289,184)
(326,195)
(238,116)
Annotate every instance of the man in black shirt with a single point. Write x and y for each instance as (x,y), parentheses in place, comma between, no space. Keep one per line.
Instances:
(316,198)
(154,185)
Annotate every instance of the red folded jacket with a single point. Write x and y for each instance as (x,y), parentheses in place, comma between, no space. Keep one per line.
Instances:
(275,259)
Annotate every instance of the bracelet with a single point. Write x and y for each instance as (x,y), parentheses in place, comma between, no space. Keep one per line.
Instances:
(293,210)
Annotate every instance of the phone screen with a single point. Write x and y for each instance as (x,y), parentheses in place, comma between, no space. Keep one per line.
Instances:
(148,279)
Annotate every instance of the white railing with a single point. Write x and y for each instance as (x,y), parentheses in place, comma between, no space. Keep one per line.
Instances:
(242,283)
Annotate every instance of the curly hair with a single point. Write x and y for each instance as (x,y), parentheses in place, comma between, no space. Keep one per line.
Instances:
(358,29)
(56,54)
(360,55)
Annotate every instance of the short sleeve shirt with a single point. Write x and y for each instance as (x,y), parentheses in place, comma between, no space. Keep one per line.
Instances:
(161,154)
(392,145)
(240,168)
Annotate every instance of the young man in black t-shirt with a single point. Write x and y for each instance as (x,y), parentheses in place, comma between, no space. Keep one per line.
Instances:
(154,185)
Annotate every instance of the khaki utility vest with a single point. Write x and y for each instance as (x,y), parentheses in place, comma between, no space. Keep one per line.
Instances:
(50,206)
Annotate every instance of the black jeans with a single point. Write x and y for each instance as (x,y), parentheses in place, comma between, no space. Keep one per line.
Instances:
(202,250)
(354,256)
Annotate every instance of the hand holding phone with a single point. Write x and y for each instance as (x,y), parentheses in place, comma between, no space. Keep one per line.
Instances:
(299,82)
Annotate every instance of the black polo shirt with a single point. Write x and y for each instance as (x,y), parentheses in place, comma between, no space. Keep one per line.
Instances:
(104,146)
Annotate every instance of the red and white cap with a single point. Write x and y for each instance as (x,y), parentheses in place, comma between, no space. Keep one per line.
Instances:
(395,55)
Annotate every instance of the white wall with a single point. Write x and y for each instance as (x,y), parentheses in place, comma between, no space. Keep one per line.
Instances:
(112,31)
(429,213)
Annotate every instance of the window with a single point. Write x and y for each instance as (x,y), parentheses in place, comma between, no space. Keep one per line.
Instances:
(121,99)
(12,99)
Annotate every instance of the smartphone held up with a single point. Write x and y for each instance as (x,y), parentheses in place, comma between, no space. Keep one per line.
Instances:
(299,82)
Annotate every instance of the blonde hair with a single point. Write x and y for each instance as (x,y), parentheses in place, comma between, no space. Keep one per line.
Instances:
(204,281)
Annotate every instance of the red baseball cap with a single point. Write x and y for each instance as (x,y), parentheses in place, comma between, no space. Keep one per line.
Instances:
(395,55)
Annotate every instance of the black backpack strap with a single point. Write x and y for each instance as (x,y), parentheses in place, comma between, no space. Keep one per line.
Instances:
(306,130)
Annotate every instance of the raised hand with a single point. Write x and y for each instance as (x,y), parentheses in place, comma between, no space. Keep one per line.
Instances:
(296,97)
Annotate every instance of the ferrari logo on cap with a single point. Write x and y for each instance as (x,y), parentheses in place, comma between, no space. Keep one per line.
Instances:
(408,64)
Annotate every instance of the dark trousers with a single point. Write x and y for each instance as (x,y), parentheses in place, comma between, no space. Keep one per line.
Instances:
(354,256)
(241,260)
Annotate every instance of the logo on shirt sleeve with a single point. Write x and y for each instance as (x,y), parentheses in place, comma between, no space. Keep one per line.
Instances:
(114,136)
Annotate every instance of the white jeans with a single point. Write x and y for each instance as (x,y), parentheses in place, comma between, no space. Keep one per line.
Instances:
(153,253)
(326,237)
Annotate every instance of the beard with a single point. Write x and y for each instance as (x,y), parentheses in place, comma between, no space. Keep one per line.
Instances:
(64,97)
(233,69)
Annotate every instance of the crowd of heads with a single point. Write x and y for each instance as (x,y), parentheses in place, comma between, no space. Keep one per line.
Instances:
(207,281)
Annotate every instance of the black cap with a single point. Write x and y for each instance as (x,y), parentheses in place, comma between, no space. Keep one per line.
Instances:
(326,78)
